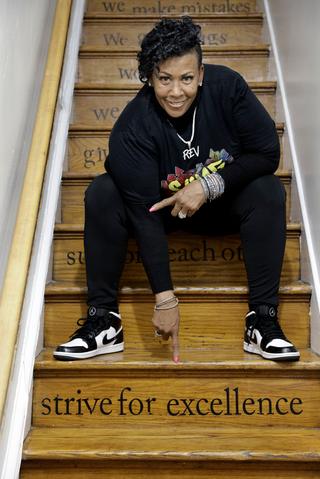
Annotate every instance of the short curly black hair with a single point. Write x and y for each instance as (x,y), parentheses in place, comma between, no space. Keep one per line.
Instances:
(168,38)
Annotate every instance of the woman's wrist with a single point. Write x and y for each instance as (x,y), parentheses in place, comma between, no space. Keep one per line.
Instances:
(213,186)
(166,300)
(163,295)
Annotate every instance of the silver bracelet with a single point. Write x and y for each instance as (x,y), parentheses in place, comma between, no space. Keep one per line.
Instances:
(165,304)
(213,186)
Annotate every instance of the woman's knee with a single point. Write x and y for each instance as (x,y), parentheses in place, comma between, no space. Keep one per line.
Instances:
(267,191)
(102,192)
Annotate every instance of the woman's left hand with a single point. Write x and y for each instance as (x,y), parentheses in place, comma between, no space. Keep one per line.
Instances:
(166,323)
(185,202)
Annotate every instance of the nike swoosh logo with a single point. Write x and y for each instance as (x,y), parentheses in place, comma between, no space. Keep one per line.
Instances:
(111,340)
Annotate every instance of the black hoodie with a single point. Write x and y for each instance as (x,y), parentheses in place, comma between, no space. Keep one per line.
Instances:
(144,149)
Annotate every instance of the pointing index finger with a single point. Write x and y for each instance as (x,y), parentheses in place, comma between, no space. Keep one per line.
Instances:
(161,204)
(175,344)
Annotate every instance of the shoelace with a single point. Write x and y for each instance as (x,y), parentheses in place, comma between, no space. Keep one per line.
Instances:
(268,327)
(89,327)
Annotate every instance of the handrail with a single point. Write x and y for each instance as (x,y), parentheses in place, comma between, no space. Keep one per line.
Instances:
(20,253)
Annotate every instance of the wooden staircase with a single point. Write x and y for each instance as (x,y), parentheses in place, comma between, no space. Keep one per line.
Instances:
(220,412)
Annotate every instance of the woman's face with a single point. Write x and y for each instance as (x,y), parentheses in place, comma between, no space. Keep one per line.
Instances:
(176,82)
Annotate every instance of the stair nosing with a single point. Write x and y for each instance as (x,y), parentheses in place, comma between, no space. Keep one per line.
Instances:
(69,228)
(73,177)
(74,231)
(101,17)
(182,433)
(241,454)
(262,49)
(83,128)
(290,292)
(268,85)
(114,365)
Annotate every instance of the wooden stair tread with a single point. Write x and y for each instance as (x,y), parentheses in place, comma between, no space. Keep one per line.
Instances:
(100,17)
(214,360)
(71,175)
(182,442)
(70,289)
(257,86)
(74,128)
(102,50)
(79,228)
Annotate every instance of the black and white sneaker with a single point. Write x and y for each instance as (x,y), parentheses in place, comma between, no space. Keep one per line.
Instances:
(264,336)
(100,333)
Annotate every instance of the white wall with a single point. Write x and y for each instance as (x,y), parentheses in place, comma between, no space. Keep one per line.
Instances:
(25,28)
(297,35)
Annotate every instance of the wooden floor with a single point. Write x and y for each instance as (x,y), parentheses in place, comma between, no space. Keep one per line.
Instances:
(219,412)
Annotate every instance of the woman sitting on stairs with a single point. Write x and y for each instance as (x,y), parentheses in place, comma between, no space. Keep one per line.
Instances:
(195,151)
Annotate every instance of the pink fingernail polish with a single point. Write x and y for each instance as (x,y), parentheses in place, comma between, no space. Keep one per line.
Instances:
(176,359)
(151,209)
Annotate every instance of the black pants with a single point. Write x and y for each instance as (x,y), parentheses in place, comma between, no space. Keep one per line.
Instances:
(257,212)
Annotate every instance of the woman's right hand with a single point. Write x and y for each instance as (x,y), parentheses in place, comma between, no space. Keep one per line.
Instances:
(186,201)
(166,323)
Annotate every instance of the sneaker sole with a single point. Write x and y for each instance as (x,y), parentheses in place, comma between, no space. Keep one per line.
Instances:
(253,349)
(114,348)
